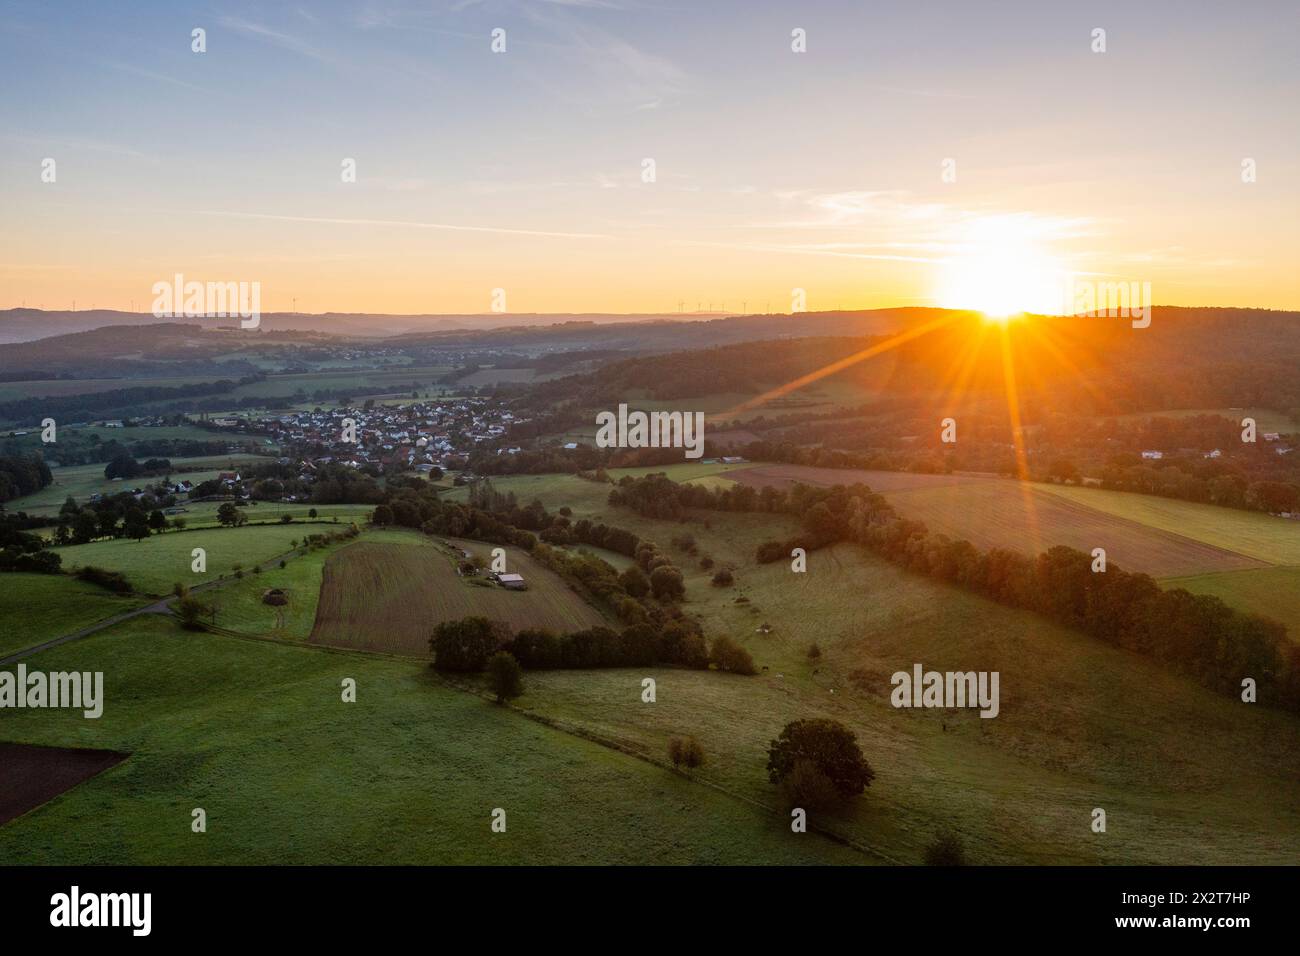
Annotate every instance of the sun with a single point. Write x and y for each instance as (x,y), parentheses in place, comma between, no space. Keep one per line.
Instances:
(999,267)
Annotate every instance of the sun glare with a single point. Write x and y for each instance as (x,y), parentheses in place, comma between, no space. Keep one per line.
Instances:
(999,268)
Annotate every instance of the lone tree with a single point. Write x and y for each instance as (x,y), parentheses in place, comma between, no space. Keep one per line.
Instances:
(829,746)
(505,676)
(946,850)
(190,609)
(230,516)
(685,753)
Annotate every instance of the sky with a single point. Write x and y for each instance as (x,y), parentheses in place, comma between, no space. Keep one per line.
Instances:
(915,153)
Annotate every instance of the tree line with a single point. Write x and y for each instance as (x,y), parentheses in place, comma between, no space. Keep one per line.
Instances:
(21,475)
(1197,636)
(646,595)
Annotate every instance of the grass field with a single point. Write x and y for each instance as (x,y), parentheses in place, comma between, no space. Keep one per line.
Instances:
(154,564)
(11,391)
(1238,556)
(40,607)
(1260,536)
(82,481)
(204,513)
(1273,592)
(992,512)
(388,596)
(497,376)
(256,734)
(254,731)
(1025,517)
(362,381)
(1186,776)
(1266,419)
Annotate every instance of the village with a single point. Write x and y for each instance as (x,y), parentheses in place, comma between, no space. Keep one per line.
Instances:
(425,436)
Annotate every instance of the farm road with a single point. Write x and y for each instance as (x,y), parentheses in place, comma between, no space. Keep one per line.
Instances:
(162,606)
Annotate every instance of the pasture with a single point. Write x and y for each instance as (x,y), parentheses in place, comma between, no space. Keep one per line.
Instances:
(1262,537)
(62,387)
(1030,518)
(1273,592)
(498,376)
(41,607)
(157,562)
(256,733)
(1081,724)
(1024,517)
(82,481)
(385,596)
(361,381)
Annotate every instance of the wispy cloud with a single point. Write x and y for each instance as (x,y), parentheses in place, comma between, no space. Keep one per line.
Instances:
(156,77)
(399,223)
(275,37)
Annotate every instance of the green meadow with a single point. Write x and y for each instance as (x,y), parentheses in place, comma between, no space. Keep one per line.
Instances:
(257,735)
(254,731)
(41,607)
(1082,725)
(1257,535)
(1273,592)
(82,481)
(156,563)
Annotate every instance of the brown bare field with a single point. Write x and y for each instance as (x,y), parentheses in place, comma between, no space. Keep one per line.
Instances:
(1002,513)
(389,597)
(35,775)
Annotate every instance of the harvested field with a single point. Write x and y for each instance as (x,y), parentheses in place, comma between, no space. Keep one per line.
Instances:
(389,597)
(781,476)
(1001,513)
(1022,517)
(36,775)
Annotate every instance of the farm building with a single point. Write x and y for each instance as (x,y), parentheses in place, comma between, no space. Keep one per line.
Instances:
(514,582)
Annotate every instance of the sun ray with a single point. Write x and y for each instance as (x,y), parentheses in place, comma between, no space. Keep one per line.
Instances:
(1042,337)
(834,367)
(1018,441)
